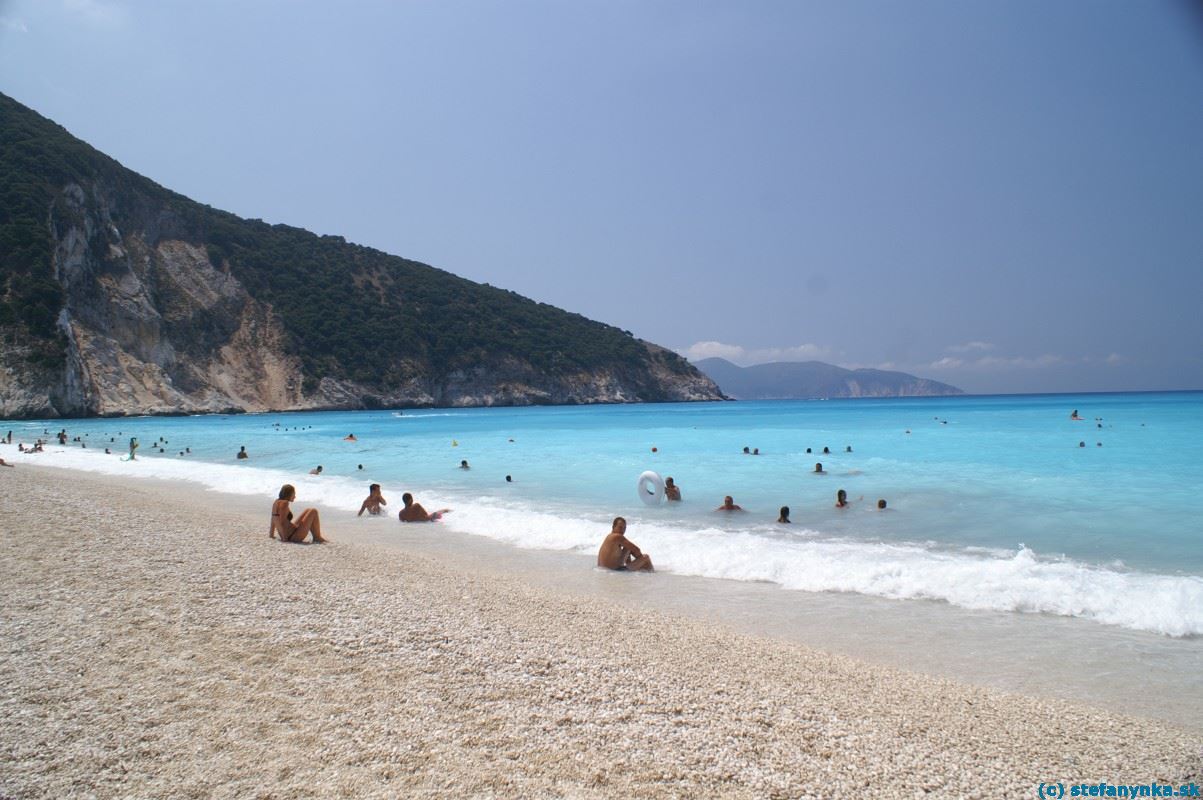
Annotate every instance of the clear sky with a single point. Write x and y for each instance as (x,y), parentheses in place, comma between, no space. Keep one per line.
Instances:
(1007,196)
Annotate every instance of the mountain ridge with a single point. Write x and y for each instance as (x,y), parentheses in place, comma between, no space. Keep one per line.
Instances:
(120,296)
(806,380)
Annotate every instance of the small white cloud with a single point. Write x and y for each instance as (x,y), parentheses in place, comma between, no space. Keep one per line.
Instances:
(801,352)
(14,25)
(993,363)
(969,347)
(1115,359)
(699,350)
(738,354)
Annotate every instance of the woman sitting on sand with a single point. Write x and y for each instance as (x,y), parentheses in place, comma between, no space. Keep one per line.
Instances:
(281,521)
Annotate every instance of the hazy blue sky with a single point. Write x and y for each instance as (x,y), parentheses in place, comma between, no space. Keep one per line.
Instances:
(1004,195)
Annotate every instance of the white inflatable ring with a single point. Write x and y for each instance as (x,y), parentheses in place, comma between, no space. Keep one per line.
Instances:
(651,488)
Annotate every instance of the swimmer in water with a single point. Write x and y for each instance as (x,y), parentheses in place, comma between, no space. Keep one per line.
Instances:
(841,499)
(1074,414)
(350,437)
(747,451)
(619,553)
(819,469)
(783,515)
(413,512)
(728,505)
(281,520)
(671,490)
(826,451)
(464,464)
(881,505)
(373,502)
(316,470)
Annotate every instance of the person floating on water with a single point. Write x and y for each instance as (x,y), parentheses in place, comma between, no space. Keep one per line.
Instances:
(242,453)
(316,470)
(619,553)
(372,504)
(350,437)
(783,515)
(281,520)
(729,505)
(671,491)
(413,512)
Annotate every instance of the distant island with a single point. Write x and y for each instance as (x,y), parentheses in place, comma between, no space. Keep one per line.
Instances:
(806,380)
(118,296)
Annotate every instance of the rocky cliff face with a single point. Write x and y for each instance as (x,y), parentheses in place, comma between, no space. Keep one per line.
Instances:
(118,296)
(152,326)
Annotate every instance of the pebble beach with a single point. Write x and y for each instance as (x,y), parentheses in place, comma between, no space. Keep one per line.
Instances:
(155,643)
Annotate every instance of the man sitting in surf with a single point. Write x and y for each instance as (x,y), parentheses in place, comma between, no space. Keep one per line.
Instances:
(373,503)
(620,553)
(413,512)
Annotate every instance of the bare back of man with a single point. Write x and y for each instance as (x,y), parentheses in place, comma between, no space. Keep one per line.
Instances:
(414,512)
(620,553)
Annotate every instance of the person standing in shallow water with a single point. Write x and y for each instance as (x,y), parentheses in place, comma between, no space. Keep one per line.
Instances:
(729,505)
(133,447)
(671,490)
(617,552)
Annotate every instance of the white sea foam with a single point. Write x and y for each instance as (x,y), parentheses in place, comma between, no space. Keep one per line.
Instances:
(973,578)
(1014,581)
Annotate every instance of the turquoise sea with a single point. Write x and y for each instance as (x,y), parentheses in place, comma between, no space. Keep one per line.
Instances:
(992,503)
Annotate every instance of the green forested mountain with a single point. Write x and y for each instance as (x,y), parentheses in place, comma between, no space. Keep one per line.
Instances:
(108,279)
